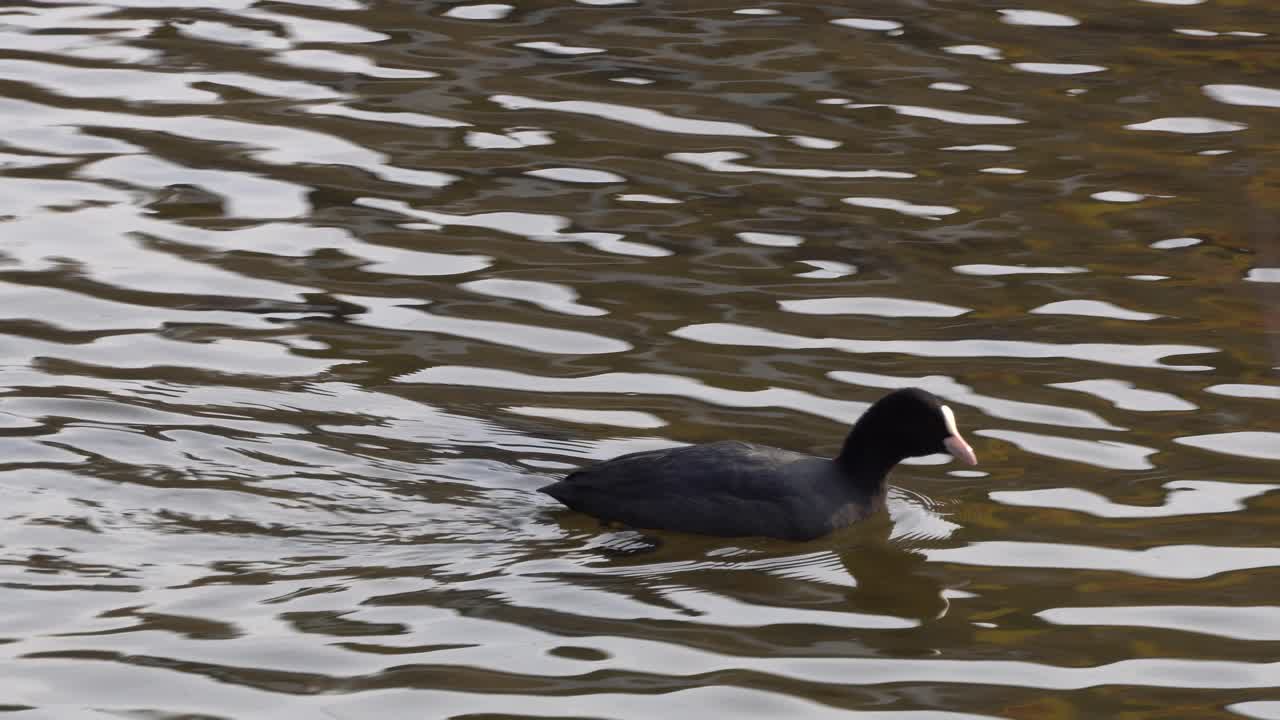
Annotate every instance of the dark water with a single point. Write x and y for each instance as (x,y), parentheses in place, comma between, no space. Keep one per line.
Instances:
(302,300)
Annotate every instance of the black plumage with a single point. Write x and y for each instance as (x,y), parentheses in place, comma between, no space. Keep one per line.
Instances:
(734,488)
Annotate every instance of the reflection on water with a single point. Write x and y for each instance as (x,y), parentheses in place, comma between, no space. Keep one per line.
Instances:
(303,299)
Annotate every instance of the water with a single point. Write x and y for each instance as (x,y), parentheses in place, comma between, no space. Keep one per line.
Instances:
(302,300)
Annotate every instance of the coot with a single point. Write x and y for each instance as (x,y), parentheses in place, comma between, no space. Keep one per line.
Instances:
(733,488)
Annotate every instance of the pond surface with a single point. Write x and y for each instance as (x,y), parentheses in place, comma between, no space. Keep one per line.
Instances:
(301,301)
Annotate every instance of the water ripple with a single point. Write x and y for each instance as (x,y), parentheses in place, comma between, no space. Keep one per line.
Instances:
(650,383)
(1129,355)
(1166,561)
(724,161)
(305,299)
(947,116)
(1240,623)
(640,117)
(1187,497)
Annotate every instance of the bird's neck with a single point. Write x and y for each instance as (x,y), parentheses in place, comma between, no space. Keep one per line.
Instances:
(867,459)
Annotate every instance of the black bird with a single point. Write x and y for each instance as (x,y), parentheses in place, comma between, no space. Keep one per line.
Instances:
(733,488)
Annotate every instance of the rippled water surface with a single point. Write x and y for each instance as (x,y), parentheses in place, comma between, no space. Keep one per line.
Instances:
(302,299)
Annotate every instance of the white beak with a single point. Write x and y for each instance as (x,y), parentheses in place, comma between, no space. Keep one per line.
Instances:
(955,444)
(960,450)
